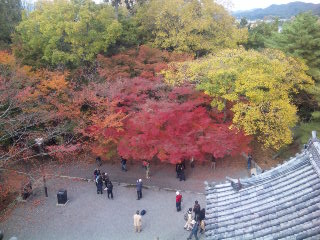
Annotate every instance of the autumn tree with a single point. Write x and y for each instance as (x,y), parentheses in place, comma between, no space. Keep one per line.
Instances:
(196,27)
(179,126)
(259,85)
(67,33)
(45,104)
(142,62)
(27,108)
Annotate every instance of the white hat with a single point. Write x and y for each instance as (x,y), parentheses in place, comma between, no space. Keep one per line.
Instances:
(177,192)
(140,180)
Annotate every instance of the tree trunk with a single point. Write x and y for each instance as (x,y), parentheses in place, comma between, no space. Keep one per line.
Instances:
(225,110)
(116,9)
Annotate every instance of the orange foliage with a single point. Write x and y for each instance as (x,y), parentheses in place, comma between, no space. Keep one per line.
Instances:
(142,62)
(55,109)
(6,58)
(13,182)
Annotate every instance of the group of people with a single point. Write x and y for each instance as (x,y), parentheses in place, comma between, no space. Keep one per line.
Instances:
(101,178)
(196,222)
(193,222)
(194,217)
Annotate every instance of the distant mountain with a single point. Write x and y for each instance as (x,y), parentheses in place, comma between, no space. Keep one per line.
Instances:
(282,11)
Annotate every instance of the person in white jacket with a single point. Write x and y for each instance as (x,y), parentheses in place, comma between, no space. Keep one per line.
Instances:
(137,222)
(188,225)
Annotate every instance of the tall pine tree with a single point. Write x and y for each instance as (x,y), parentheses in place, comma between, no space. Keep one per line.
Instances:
(301,38)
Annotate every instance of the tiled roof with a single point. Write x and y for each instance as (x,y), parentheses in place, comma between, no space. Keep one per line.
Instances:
(282,203)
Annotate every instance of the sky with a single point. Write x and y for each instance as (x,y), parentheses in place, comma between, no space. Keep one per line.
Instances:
(250,4)
(247,4)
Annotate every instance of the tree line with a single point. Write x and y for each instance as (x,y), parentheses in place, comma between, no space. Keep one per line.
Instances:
(144,79)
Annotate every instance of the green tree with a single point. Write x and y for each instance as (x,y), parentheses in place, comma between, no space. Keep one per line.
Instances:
(67,33)
(191,26)
(10,16)
(243,22)
(258,86)
(260,32)
(301,38)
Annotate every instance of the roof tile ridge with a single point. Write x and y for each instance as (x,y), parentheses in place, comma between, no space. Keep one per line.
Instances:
(314,155)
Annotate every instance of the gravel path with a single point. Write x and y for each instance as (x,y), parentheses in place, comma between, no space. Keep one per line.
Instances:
(91,216)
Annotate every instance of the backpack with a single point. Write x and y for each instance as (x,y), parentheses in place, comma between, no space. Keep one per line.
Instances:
(185,216)
(143,212)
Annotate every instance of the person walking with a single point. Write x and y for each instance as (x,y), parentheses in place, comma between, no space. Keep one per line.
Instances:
(96,173)
(183,163)
(202,216)
(188,225)
(178,201)
(192,162)
(249,161)
(137,221)
(147,170)
(196,210)
(98,161)
(178,169)
(194,230)
(182,175)
(213,162)
(99,184)
(105,178)
(109,189)
(139,189)
(123,164)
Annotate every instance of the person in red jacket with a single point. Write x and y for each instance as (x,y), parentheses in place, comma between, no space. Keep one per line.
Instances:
(178,201)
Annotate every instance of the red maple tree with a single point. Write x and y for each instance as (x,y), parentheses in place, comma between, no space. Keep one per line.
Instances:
(172,124)
(143,61)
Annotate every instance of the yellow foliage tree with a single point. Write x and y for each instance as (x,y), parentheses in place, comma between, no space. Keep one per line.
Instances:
(196,26)
(259,85)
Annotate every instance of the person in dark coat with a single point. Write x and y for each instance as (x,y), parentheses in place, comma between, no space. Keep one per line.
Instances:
(109,189)
(105,178)
(183,163)
(202,216)
(194,230)
(182,176)
(139,189)
(213,162)
(249,161)
(96,173)
(98,161)
(196,210)
(178,169)
(123,164)
(99,183)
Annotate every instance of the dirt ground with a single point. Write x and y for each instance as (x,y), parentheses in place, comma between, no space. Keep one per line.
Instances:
(229,166)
